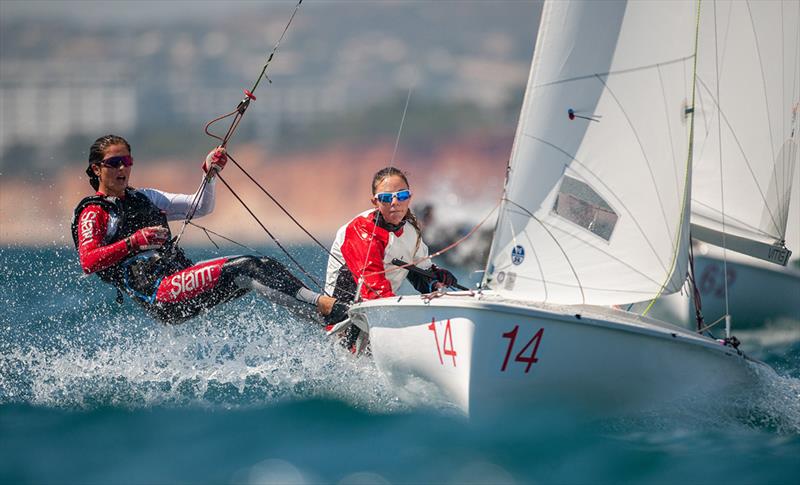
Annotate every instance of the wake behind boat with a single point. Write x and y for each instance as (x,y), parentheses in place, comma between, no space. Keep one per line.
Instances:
(595,215)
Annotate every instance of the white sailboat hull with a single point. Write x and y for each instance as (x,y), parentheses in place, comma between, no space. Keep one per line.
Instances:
(463,350)
(758,293)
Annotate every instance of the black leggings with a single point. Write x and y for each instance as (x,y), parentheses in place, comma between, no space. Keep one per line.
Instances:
(191,291)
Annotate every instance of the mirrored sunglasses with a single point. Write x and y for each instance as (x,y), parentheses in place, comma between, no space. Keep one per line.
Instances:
(116,162)
(386,197)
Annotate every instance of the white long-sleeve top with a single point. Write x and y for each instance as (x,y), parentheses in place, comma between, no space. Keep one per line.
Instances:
(177,206)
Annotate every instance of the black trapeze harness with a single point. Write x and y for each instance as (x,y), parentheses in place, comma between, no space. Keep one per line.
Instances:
(138,275)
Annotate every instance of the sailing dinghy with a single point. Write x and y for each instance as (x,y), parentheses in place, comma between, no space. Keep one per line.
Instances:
(745,163)
(595,215)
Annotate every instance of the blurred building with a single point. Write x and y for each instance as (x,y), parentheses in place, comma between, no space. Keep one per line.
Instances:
(43,102)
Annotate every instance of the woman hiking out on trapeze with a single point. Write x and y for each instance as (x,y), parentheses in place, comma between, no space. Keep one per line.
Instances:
(122,236)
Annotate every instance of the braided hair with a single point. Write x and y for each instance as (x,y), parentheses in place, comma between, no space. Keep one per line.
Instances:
(410,218)
(97,153)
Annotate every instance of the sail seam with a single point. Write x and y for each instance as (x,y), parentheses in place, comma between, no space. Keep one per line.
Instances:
(621,71)
(763,84)
(557,243)
(606,253)
(747,162)
(646,158)
(669,128)
(611,192)
(740,223)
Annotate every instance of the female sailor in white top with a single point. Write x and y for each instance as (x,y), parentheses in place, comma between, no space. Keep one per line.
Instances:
(364,248)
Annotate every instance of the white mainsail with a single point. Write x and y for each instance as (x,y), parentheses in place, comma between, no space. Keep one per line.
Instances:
(746,127)
(596,203)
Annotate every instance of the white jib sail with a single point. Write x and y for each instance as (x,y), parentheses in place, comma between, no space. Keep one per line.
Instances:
(596,203)
(746,126)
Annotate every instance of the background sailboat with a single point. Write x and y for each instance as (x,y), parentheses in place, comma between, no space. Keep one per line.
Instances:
(745,163)
(596,213)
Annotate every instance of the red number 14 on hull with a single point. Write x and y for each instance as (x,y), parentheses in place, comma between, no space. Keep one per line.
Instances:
(521,357)
(448,337)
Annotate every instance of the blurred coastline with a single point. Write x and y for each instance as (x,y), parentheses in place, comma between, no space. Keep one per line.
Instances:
(71,71)
(322,188)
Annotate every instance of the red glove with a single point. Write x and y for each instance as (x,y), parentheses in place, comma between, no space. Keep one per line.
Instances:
(215,160)
(148,238)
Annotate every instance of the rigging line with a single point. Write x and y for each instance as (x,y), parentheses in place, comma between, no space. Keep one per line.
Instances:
(784,183)
(669,128)
(497,222)
(275,49)
(230,240)
(251,249)
(378,212)
(721,115)
(274,239)
(695,298)
(722,176)
(238,113)
(611,192)
(703,329)
(644,154)
(198,196)
(402,123)
(445,249)
(282,208)
(557,243)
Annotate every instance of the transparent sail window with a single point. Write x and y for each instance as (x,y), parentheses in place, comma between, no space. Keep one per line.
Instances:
(579,203)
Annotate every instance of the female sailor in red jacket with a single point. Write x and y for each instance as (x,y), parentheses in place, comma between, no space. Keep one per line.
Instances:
(362,254)
(122,235)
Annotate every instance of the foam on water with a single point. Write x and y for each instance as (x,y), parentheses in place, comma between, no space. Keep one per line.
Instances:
(74,348)
(259,354)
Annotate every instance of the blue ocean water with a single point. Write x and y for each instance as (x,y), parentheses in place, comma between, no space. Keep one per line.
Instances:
(95,392)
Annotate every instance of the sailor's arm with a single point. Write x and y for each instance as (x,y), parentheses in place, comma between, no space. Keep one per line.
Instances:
(177,206)
(94,256)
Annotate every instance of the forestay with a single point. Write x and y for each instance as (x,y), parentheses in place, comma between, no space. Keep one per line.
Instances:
(746,136)
(596,203)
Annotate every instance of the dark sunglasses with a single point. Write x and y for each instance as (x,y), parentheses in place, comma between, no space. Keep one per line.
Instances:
(386,197)
(116,162)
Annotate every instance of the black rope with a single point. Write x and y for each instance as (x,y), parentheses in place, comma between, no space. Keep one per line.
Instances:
(238,113)
(698,305)
(274,239)
(285,211)
(209,231)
